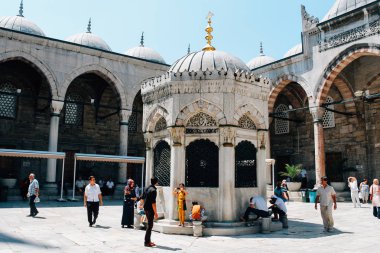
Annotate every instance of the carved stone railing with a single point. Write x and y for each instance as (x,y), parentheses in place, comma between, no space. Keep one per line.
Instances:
(350,35)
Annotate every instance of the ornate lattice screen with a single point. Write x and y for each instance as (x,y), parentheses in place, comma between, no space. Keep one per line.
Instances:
(74,109)
(281,126)
(8,102)
(328,119)
(245,165)
(161,168)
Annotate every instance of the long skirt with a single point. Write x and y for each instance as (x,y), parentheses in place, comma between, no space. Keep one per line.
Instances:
(128,214)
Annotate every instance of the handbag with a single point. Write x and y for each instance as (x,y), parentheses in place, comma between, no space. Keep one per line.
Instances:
(37,200)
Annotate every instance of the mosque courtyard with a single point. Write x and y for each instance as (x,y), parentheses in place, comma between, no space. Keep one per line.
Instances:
(62,227)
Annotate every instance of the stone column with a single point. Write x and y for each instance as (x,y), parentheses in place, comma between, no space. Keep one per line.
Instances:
(261,166)
(319,143)
(227,210)
(123,150)
(148,138)
(56,108)
(177,166)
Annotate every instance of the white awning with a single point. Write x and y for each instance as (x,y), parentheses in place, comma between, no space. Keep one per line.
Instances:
(109,158)
(31,154)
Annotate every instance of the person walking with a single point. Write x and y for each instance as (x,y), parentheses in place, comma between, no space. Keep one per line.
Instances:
(353,184)
(375,197)
(364,190)
(92,200)
(326,196)
(150,209)
(33,193)
(181,194)
(129,204)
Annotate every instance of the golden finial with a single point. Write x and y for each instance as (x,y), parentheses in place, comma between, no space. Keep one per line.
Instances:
(209,30)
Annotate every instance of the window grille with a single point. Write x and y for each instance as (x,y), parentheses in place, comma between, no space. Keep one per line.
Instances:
(246,122)
(132,121)
(328,119)
(202,164)
(160,125)
(201,120)
(245,165)
(74,109)
(8,102)
(161,168)
(281,126)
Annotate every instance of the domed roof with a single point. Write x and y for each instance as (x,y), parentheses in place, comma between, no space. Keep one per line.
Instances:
(208,60)
(145,52)
(297,49)
(341,7)
(260,60)
(19,23)
(89,39)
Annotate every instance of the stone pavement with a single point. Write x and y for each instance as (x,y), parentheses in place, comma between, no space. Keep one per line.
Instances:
(63,227)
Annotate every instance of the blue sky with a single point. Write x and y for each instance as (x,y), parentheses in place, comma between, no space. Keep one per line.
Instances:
(170,25)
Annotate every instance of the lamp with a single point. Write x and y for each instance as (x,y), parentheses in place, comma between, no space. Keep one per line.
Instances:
(18,91)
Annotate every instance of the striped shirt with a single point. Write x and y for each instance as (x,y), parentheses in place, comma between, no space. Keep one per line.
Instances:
(32,187)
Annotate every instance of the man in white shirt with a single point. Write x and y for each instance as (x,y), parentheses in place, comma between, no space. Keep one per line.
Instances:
(110,187)
(92,200)
(327,197)
(353,184)
(257,206)
(278,207)
(80,184)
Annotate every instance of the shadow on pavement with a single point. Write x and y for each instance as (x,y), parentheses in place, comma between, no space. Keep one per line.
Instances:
(301,230)
(103,227)
(167,248)
(53,203)
(14,240)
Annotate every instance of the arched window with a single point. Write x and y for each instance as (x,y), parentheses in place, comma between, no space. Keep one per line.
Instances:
(160,125)
(281,126)
(328,119)
(161,168)
(132,121)
(74,109)
(245,165)
(202,164)
(8,100)
(246,122)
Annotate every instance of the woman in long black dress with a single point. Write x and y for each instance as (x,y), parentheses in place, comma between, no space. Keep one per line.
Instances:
(129,204)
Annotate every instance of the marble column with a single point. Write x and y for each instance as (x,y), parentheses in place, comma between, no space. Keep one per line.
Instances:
(177,166)
(123,149)
(148,138)
(56,108)
(227,211)
(319,143)
(261,166)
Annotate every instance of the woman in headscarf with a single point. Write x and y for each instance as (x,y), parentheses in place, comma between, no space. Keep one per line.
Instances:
(129,204)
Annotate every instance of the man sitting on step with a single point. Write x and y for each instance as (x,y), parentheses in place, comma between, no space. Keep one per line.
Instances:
(257,206)
(278,207)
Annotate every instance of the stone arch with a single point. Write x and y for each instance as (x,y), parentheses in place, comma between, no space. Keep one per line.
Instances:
(157,112)
(339,63)
(38,65)
(102,72)
(253,113)
(373,80)
(200,105)
(281,83)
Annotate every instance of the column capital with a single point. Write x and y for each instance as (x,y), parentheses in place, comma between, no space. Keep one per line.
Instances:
(317,114)
(148,139)
(56,107)
(124,116)
(227,136)
(177,135)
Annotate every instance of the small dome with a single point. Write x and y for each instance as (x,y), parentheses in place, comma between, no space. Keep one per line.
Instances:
(297,49)
(260,60)
(208,60)
(21,24)
(89,39)
(145,53)
(341,7)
